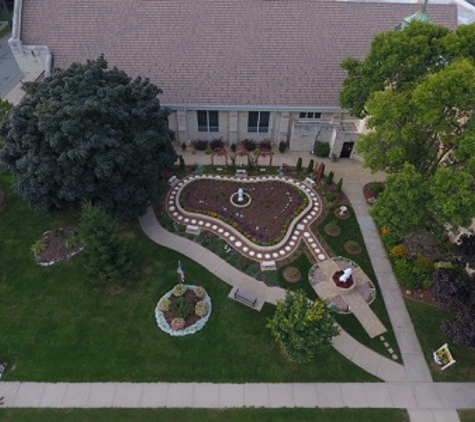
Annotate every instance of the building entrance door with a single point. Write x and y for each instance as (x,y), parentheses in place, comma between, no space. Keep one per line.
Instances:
(346,149)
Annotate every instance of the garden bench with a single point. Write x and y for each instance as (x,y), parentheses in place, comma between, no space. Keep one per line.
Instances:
(268,266)
(172,181)
(246,298)
(309,181)
(241,172)
(190,229)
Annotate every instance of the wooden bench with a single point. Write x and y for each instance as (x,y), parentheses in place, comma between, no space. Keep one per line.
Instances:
(268,266)
(246,298)
(172,181)
(190,229)
(241,172)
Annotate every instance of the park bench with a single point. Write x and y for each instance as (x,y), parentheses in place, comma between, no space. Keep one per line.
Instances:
(246,298)
(309,181)
(268,266)
(172,181)
(190,229)
(241,172)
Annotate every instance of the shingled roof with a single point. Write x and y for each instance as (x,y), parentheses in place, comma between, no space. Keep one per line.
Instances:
(221,52)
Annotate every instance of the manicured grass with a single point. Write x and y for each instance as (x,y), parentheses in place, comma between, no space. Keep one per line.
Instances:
(57,327)
(350,230)
(183,415)
(427,320)
(467,415)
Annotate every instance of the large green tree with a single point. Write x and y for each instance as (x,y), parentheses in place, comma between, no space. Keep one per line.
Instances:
(417,90)
(397,59)
(89,133)
(302,328)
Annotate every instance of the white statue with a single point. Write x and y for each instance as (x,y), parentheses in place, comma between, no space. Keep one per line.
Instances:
(240,194)
(346,275)
(343,209)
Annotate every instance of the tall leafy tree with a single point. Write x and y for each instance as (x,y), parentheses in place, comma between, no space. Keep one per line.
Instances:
(302,328)
(397,59)
(89,133)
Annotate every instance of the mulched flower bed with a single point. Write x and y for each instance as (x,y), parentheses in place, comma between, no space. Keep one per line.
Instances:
(351,249)
(56,246)
(267,218)
(292,275)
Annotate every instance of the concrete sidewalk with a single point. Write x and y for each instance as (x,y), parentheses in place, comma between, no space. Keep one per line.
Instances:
(431,398)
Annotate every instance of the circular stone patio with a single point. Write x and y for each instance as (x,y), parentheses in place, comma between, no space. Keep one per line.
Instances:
(354,301)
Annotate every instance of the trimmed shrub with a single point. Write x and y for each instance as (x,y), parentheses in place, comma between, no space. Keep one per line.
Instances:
(265,145)
(179,290)
(330,177)
(249,144)
(177,324)
(400,252)
(322,149)
(183,146)
(339,186)
(201,308)
(310,166)
(164,305)
(200,292)
(233,147)
(405,275)
(282,146)
(182,162)
(216,143)
(200,145)
(298,167)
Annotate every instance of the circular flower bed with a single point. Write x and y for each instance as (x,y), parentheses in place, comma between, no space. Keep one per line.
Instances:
(184,310)
(292,274)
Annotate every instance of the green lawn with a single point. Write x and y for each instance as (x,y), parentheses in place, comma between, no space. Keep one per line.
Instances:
(57,327)
(427,320)
(202,415)
(350,230)
(467,415)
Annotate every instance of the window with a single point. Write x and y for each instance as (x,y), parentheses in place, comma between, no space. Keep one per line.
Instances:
(305,115)
(208,121)
(258,121)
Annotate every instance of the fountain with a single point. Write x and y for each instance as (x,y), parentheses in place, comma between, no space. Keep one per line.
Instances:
(240,199)
(344,280)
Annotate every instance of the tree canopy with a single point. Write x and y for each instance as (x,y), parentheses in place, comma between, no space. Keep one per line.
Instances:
(417,90)
(302,328)
(89,134)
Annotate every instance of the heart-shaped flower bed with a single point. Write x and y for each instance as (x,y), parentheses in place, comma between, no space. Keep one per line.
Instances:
(265,221)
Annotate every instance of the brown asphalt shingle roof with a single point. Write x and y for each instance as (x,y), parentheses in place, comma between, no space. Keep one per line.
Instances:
(221,52)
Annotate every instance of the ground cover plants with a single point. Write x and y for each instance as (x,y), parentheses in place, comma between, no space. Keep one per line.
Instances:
(74,331)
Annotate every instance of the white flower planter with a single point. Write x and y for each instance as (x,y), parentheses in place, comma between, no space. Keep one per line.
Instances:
(192,329)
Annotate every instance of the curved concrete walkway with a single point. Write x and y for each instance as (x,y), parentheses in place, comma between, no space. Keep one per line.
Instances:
(359,354)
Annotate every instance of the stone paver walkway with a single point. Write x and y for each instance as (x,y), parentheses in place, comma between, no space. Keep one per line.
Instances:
(326,289)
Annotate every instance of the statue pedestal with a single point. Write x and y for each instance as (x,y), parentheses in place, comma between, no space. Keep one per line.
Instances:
(343,286)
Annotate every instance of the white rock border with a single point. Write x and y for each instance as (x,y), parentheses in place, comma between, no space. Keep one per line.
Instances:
(192,329)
